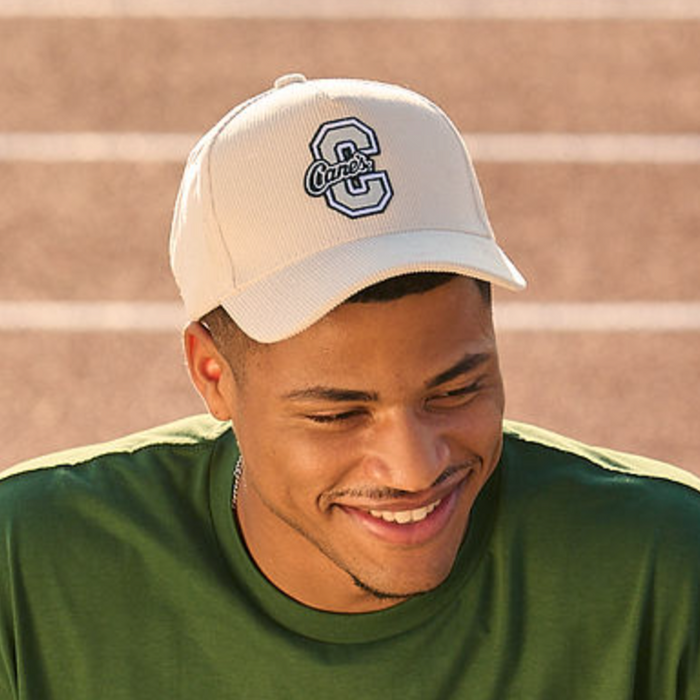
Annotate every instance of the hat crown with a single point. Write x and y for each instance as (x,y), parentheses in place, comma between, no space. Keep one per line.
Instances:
(313,166)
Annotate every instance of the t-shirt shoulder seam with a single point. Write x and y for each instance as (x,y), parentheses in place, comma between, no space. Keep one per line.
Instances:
(113,449)
(626,464)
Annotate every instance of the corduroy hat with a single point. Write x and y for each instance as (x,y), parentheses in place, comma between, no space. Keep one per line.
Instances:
(316,189)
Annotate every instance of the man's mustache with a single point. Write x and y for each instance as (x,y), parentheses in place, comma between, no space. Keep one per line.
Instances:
(387,493)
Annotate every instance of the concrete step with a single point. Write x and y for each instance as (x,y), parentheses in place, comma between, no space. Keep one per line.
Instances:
(182,74)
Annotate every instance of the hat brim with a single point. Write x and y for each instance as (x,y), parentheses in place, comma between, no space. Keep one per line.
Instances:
(290,300)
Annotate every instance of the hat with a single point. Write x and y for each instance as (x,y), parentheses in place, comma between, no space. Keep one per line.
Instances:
(306,194)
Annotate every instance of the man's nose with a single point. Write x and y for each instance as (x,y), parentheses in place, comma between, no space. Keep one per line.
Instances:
(409,451)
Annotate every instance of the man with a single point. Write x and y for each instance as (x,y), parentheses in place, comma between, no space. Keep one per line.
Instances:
(374,529)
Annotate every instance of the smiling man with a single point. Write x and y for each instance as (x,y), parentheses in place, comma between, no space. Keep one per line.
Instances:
(354,518)
(386,419)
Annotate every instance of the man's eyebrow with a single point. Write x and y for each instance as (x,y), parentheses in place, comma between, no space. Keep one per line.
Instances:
(324,393)
(466,364)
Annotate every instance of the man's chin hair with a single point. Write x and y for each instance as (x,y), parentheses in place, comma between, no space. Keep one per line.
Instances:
(388,595)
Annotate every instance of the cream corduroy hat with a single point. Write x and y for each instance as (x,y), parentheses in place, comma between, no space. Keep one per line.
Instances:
(316,189)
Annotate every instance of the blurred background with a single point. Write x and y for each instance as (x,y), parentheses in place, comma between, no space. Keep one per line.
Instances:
(582,118)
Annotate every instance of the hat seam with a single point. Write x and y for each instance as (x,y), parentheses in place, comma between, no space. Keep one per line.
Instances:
(210,187)
(475,191)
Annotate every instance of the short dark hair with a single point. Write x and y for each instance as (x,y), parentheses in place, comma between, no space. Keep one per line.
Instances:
(412,283)
(233,343)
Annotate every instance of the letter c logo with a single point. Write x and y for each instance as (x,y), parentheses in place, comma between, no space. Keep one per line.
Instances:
(343,170)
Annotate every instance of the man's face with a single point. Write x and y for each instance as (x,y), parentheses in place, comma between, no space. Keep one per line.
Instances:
(366,439)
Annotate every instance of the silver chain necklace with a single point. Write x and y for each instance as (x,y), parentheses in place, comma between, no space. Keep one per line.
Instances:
(238,470)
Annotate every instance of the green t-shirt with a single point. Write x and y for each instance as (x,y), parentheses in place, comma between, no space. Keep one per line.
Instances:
(123,577)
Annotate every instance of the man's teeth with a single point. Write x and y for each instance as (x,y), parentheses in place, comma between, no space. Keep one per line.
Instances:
(405,516)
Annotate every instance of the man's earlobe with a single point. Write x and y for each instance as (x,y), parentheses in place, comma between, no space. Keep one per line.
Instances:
(212,369)
(207,369)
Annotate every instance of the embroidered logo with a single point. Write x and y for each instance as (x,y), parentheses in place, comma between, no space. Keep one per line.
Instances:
(343,170)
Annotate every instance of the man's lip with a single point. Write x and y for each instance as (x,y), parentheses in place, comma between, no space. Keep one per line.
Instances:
(410,534)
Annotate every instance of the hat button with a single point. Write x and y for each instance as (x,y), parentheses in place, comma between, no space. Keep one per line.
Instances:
(289,79)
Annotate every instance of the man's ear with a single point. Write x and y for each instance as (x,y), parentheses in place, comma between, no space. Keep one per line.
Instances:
(209,371)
